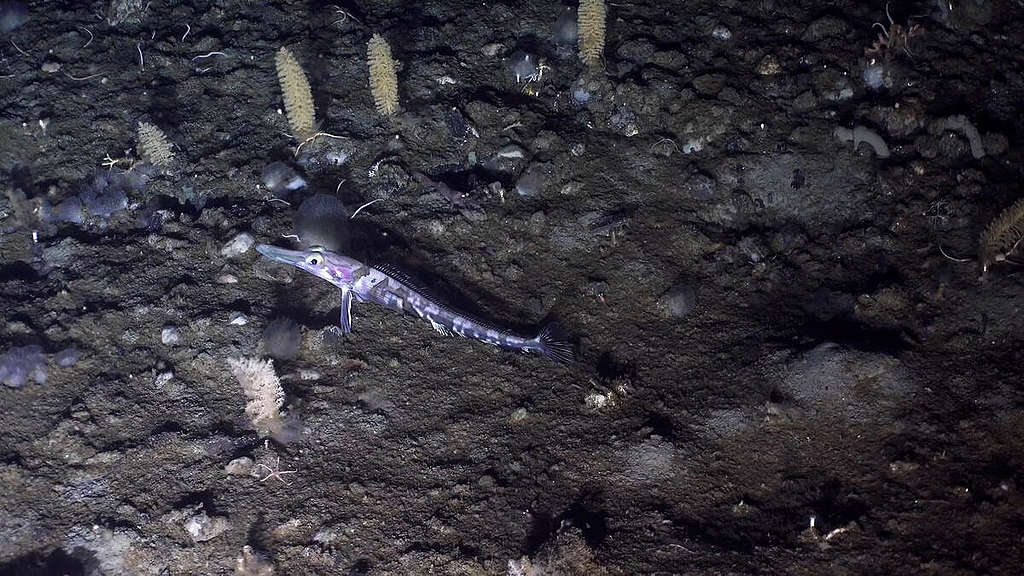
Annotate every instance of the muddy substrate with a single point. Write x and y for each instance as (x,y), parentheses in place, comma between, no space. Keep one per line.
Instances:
(784,365)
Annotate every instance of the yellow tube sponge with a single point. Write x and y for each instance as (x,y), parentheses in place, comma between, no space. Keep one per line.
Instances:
(383,78)
(298,98)
(590,22)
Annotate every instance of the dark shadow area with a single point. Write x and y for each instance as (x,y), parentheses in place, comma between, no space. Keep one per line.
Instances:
(56,563)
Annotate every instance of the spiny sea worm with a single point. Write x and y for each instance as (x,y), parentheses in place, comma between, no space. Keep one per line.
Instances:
(298,98)
(154,147)
(1002,238)
(862,134)
(383,77)
(590,26)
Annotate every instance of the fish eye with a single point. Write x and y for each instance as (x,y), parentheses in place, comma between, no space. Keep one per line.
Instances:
(315,259)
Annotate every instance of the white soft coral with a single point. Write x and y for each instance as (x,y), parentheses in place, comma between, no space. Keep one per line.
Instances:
(263,393)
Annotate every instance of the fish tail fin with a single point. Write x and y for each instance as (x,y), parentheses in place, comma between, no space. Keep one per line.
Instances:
(553,343)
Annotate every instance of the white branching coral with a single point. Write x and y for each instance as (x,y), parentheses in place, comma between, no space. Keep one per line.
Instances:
(263,393)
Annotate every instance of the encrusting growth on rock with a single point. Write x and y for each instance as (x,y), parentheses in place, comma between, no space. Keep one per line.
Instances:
(298,98)
(154,147)
(383,77)
(1002,237)
(590,22)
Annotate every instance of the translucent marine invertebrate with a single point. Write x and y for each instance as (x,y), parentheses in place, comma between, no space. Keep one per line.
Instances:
(383,77)
(522,66)
(70,210)
(322,220)
(12,16)
(67,357)
(565,30)
(22,363)
(282,339)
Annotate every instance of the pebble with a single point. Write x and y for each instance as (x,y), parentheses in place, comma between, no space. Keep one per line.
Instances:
(170,335)
(571,189)
(308,374)
(721,33)
(529,184)
(518,415)
(596,400)
(238,319)
(769,66)
(238,245)
(491,50)
(202,528)
(511,151)
(239,467)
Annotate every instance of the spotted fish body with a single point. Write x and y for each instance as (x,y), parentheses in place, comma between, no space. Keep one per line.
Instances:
(389,288)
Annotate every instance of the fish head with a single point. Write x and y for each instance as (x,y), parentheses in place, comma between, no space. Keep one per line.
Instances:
(330,266)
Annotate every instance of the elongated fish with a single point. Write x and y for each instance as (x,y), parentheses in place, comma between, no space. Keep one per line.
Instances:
(391,289)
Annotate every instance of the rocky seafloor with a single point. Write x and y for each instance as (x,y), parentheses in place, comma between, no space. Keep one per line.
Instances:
(759,221)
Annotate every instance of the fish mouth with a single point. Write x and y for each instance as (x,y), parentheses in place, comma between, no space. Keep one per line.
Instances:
(282,255)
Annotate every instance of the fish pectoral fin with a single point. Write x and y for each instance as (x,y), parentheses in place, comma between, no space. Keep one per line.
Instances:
(346,310)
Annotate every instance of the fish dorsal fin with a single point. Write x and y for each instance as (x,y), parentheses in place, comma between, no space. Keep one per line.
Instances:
(400,275)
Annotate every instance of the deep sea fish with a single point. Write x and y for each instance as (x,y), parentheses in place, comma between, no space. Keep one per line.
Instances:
(393,290)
